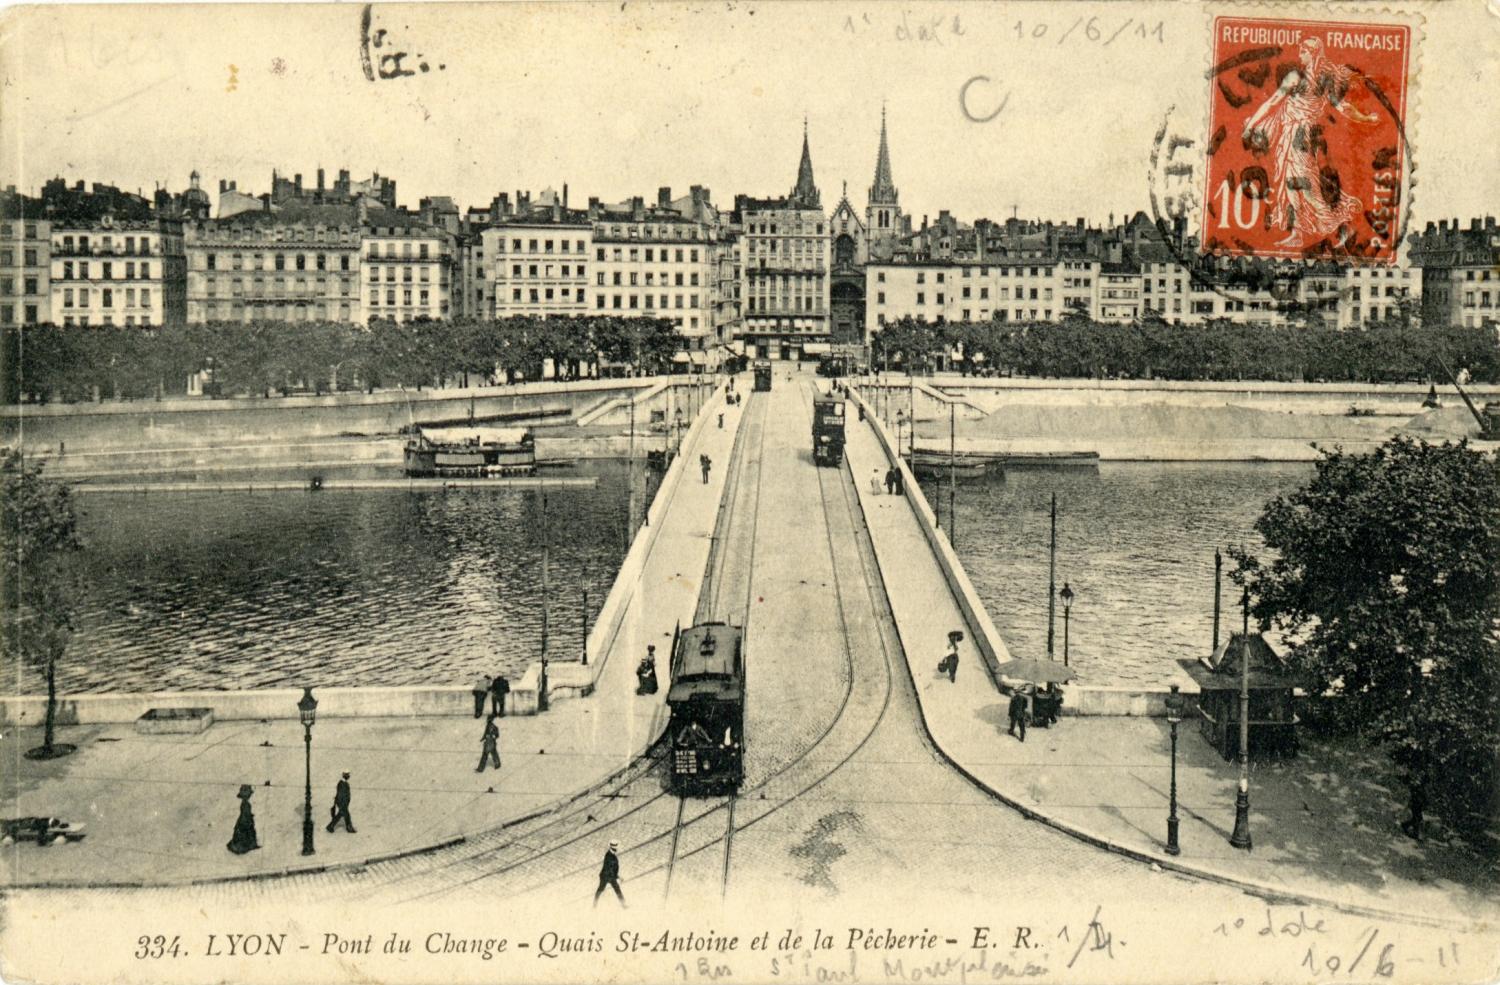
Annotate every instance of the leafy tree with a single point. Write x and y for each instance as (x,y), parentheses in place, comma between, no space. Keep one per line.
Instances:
(1386,574)
(39,589)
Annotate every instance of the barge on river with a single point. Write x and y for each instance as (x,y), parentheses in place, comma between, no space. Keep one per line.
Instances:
(470,451)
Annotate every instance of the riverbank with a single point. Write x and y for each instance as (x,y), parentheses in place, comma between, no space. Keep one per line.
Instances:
(1161,421)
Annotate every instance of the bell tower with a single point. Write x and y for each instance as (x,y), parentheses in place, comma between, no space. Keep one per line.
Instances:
(883,222)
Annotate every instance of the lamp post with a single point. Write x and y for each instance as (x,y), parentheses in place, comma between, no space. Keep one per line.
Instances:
(1067,600)
(952,481)
(900,425)
(307,711)
(1052,582)
(677,430)
(1241,836)
(1174,716)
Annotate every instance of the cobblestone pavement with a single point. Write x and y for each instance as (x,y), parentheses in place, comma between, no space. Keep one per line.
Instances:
(847,813)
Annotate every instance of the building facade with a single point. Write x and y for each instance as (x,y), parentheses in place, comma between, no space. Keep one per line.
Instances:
(538,263)
(301,263)
(111,271)
(656,263)
(25,262)
(1460,272)
(785,269)
(406,268)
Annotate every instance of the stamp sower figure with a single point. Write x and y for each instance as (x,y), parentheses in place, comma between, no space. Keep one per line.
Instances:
(499,688)
(341,805)
(244,839)
(609,874)
(489,745)
(1017,713)
(481,691)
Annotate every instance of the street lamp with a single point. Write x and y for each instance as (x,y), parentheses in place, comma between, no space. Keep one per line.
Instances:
(1174,716)
(1067,600)
(307,710)
(1240,838)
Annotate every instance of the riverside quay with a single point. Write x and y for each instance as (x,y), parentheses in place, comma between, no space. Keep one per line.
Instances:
(577,493)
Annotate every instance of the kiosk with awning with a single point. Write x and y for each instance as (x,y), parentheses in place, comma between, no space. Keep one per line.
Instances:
(1273,721)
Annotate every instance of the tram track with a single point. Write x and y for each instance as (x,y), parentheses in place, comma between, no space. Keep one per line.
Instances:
(844,496)
(644,788)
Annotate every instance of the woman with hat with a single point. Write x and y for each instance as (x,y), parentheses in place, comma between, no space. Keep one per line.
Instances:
(244,839)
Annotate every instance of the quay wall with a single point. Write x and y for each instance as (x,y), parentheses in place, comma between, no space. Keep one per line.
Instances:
(1080,699)
(188,422)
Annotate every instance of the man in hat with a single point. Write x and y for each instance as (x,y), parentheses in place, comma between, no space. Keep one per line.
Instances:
(499,688)
(341,806)
(489,745)
(481,692)
(609,874)
(1017,713)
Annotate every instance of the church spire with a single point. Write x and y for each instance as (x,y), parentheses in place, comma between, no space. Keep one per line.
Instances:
(806,193)
(883,191)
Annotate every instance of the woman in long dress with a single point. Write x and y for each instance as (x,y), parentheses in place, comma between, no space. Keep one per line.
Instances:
(1283,125)
(244,839)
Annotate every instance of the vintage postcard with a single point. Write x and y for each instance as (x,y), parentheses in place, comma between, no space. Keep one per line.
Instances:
(750,492)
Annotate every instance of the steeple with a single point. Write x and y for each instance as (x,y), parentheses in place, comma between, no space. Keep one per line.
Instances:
(806,193)
(883,191)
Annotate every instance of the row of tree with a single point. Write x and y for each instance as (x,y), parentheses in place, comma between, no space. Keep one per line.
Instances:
(45,362)
(1388,351)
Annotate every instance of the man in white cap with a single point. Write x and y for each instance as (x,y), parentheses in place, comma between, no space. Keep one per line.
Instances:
(609,874)
(341,806)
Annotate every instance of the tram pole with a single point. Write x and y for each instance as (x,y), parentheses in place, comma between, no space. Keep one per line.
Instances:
(952,521)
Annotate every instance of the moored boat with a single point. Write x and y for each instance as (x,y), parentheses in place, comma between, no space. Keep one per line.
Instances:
(470,451)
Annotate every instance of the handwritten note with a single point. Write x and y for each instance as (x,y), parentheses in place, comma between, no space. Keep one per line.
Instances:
(381,59)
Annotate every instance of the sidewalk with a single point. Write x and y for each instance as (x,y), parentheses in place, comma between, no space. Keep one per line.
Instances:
(161,809)
(1324,828)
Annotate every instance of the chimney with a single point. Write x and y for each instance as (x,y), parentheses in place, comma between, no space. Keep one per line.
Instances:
(265,202)
(565,194)
(223,186)
(637,208)
(320,181)
(1474,224)
(297,183)
(663,197)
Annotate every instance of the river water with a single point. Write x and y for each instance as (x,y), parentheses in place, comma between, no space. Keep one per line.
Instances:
(338,588)
(1135,542)
(275,589)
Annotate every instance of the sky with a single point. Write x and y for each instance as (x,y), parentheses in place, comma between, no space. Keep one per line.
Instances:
(619,99)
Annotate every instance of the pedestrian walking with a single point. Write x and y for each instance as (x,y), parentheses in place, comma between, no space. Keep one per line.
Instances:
(609,874)
(1017,713)
(900,480)
(481,692)
(244,840)
(890,482)
(341,806)
(707,464)
(645,672)
(950,659)
(499,688)
(489,745)
(721,422)
(875,483)
(1417,804)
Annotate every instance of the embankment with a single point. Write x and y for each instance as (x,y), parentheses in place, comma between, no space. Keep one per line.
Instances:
(1164,421)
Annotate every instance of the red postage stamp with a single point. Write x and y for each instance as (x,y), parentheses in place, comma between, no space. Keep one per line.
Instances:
(1307,139)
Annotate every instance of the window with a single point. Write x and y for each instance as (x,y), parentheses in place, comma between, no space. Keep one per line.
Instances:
(67,297)
(921,297)
(31,288)
(880,297)
(280,263)
(30,258)
(108,298)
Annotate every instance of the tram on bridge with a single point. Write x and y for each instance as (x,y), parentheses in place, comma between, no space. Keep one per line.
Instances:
(707,701)
(763,375)
(828,429)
